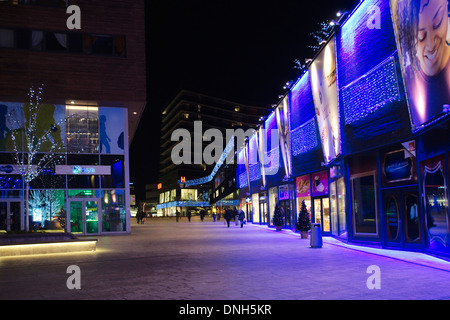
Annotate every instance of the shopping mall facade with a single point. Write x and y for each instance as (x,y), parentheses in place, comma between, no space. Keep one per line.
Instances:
(364,137)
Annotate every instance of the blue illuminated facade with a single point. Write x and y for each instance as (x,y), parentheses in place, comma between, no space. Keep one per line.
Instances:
(388,186)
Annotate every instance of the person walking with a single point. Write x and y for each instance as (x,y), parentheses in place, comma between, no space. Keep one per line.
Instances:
(138,216)
(202,214)
(189,215)
(177,215)
(228,215)
(241,218)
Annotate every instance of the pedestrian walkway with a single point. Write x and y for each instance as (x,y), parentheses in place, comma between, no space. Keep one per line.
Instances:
(166,260)
(406,256)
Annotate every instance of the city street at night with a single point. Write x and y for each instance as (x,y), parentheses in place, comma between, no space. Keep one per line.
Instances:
(166,260)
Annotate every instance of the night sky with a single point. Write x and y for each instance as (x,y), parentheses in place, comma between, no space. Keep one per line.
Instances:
(239,50)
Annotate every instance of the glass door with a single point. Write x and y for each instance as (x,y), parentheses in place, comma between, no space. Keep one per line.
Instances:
(84,216)
(263,211)
(14,215)
(3,215)
(285,206)
(76,216)
(10,214)
(91,213)
(402,224)
(322,213)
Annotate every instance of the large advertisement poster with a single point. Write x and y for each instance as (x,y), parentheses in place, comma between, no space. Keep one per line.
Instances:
(323,84)
(261,146)
(423,36)
(283,132)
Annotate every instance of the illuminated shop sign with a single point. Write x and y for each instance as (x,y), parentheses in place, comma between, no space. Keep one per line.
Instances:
(398,166)
(83,170)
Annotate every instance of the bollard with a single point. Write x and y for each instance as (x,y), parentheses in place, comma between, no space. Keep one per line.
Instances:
(316,235)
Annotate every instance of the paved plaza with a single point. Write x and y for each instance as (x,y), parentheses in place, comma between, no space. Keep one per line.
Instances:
(168,260)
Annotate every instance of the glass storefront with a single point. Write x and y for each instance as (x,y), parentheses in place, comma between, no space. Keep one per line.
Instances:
(337,208)
(273,200)
(320,198)
(255,208)
(435,204)
(84,187)
(113,210)
(341,196)
(364,205)
(303,192)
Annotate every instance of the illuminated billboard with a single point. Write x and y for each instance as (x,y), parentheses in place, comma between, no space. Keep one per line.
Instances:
(282,114)
(423,36)
(324,90)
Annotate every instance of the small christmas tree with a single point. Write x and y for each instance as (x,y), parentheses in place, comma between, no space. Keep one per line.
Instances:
(303,223)
(278,217)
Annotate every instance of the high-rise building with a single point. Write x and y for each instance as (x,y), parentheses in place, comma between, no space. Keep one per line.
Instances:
(195,113)
(90,59)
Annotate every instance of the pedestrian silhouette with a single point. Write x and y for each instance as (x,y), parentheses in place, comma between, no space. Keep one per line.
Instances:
(228,215)
(202,214)
(241,218)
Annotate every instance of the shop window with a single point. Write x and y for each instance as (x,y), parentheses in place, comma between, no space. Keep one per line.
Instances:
(273,200)
(117,177)
(82,129)
(341,207)
(436,205)
(173,194)
(392,220)
(189,194)
(255,207)
(364,205)
(167,196)
(333,208)
(412,218)
(47,209)
(113,211)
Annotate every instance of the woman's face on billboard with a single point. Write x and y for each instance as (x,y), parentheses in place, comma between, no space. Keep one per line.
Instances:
(432,49)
